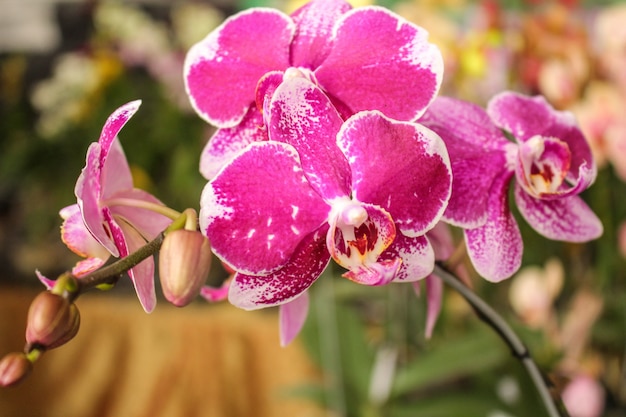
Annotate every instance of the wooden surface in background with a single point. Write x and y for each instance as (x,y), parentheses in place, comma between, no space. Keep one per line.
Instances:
(203,360)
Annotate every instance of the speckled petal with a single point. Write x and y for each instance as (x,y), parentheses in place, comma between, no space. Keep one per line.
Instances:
(226,143)
(399,166)
(568,219)
(381,61)
(313,39)
(305,266)
(292,316)
(303,116)
(259,207)
(526,117)
(417,255)
(495,248)
(477,155)
(221,71)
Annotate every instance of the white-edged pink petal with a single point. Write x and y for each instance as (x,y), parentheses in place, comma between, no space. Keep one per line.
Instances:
(303,116)
(381,61)
(416,254)
(88,193)
(525,117)
(309,260)
(114,123)
(221,71)
(142,274)
(402,167)
(292,316)
(569,219)
(226,143)
(495,248)
(259,207)
(314,31)
(76,236)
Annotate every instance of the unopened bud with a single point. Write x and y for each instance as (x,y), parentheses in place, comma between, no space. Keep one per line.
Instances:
(14,367)
(52,321)
(184,264)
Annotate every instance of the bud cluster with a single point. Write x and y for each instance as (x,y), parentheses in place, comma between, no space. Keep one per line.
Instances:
(52,321)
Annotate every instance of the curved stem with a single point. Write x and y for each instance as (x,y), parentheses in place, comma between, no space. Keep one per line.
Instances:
(519,349)
(111,273)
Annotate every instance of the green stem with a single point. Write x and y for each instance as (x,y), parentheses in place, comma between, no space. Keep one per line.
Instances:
(111,273)
(519,349)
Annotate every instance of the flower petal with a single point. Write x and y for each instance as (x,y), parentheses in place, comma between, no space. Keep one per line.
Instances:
(303,116)
(88,191)
(221,71)
(259,207)
(226,143)
(381,61)
(495,248)
(568,219)
(434,297)
(526,117)
(313,39)
(477,150)
(417,255)
(76,236)
(142,274)
(114,124)
(292,316)
(399,166)
(305,266)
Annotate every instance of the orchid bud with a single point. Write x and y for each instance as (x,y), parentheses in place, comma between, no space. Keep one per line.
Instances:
(184,264)
(52,321)
(14,367)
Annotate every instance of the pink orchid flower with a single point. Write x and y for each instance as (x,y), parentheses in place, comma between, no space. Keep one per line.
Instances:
(549,158)
(364,59)
(112,217)
(363,192)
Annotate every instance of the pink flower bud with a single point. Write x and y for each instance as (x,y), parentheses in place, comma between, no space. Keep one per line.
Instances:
(14,367)
(52,321)
(184,264)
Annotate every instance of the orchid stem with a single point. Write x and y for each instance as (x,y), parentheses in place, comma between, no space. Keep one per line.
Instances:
(518,348)
(111,273)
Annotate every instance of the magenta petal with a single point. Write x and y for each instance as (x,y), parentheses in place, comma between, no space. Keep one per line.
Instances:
(114,124)
(477,150)
(306,265)
(226,143)
(314,31)
(292,316)
(115,172)
(402,167)
(381,61)
(142,275)
(526,117)
(302,116)
(568,219)
(221,72)
(417,255)
(260,206)
(495,248)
